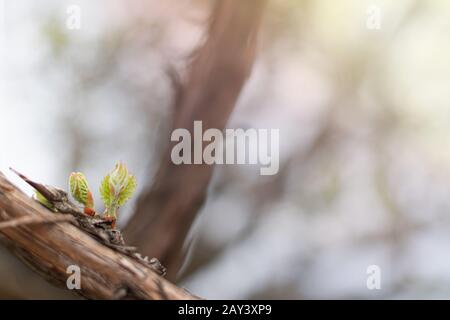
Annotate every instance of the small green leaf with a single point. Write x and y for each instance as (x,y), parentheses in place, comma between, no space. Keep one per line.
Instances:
(42,200)
(117,188)
(105,192)
(79,189)
(128,191)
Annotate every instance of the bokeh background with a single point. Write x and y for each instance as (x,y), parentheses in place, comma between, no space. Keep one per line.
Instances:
(364,119)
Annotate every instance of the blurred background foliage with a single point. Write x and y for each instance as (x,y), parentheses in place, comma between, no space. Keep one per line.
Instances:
(364,121)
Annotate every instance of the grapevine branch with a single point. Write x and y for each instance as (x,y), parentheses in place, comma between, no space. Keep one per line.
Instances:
(50,242)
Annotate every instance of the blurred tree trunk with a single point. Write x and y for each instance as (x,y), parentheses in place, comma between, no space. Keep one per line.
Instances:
(217,74)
